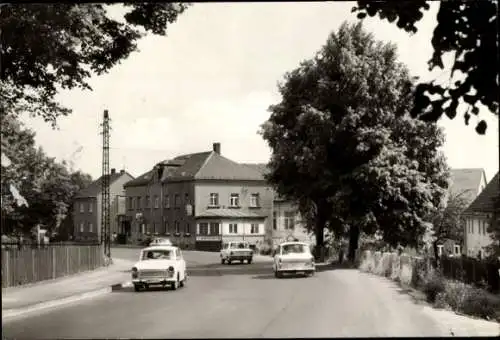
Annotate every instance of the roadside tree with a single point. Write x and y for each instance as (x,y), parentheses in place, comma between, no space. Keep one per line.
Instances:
(343,144)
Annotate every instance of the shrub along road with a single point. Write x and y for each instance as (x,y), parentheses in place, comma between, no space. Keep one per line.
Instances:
(241,301)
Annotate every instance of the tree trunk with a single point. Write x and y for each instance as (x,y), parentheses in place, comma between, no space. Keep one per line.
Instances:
(353,241)
(320,237)
(436,255)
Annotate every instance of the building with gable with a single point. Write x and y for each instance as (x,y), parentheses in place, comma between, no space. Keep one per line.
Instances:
(200,200)
(87,207)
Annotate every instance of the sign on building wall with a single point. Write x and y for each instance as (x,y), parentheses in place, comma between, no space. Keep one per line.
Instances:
(208,238)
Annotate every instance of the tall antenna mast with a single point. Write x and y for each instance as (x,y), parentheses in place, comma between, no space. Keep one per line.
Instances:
(105,202)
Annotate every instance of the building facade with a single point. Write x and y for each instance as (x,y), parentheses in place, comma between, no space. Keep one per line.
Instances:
(288,224)
(478,217)
(87,207)
(199,201)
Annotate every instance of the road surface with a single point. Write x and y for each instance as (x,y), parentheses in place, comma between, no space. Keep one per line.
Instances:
(239,301)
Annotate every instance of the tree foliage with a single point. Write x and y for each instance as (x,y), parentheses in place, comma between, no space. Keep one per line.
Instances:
(469,29)
(46,185)
(47,47)
(343,144)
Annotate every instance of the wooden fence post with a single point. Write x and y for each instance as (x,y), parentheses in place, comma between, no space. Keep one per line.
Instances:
(33,265)
(6,275)
(53,263)
(67,260)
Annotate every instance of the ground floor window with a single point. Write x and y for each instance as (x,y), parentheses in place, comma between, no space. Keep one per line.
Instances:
(177,227)
(187,228)
(233,228)
(254,228)
(203,229)
(214,228)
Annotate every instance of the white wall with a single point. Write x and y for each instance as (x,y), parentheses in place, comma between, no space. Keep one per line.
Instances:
(281,234)
(475,238)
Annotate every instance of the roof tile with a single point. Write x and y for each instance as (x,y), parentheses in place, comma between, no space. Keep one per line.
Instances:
(484,203)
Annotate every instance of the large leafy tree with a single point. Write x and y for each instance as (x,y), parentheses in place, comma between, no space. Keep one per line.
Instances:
(469,29)
(47,47)
(343,144)
(47,186)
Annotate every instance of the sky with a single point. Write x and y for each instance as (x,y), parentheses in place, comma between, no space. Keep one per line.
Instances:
(212,79)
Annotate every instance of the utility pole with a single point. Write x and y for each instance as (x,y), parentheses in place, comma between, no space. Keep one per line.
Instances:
(105,202)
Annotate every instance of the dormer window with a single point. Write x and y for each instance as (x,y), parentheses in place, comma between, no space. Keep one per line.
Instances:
(254,200)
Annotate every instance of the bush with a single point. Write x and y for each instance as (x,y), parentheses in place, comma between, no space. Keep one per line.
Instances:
(265,249)
(433,285)
(479,302)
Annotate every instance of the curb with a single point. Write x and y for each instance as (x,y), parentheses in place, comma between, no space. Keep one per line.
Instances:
(14,312)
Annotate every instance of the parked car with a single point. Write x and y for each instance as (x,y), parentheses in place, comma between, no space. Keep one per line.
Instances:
(160,241)
(293,258)
(159,265)
(236,251)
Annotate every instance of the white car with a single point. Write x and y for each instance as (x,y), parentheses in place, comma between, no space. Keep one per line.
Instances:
(236,251)
(160,241)
(293,257)
(159,265)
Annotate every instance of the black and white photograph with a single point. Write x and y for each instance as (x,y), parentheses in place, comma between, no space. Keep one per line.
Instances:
(312,169)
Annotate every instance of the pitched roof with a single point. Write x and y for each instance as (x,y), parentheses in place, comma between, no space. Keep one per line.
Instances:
(466,181)
(141,180)
(260,167)
(220,168)
(230,213)
(95,187)
(484,203)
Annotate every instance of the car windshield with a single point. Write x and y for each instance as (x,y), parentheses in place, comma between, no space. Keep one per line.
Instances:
(240,245)
(293,249)
(157,254)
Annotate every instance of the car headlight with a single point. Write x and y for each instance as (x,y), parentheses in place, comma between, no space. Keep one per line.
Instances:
(171,269)
(135,273)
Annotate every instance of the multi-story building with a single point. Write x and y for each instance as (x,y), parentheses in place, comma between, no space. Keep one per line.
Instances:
(478,217)
(87,207)
(200,200)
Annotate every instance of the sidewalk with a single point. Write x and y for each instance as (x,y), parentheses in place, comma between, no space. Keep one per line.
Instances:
(24,297)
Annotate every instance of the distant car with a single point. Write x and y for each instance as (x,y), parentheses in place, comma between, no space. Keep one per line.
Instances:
(159,265)
(160,241)
(236,251)
(293,258)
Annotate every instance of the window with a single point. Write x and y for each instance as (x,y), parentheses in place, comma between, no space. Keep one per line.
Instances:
(254,200)
(457,249)
(90,207)
(254,228)
(139,203)
(203,229)
(214,228)
(176,200)
(275,222)
(132,203)
(148,202)
(157,202)
(82,208)
(177,227)
(82,226)
(157,254)
(235,200)
(91,226)
(167,201)
(233,228)
(289,220)
(186,198)
(154,227)
(214,200)
(187,228)
(166,227)
(440,249)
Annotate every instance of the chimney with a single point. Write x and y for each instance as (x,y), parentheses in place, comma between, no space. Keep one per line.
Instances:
(122,171)
(113,171)
(217,148)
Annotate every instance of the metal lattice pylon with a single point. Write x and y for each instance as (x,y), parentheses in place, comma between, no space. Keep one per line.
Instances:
(105,181)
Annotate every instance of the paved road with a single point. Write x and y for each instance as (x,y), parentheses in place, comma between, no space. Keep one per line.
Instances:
(239,301)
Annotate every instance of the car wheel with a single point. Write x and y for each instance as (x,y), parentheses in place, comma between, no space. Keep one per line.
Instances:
(222,261)
(137,288)
(311,273)
(249,261)
(176,284)
(277,274)
(229,261)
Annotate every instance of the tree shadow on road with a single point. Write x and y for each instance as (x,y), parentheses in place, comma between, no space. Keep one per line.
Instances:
(335,265)
(272,277)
